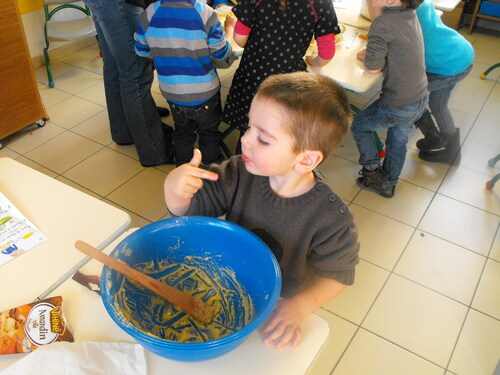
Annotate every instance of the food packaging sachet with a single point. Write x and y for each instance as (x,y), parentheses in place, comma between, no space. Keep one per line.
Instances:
(25,328)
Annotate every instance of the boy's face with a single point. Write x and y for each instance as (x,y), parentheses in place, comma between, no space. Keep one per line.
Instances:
(379,3)
(267,149)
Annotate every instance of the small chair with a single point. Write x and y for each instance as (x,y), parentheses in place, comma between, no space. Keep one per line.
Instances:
(60,31)
(491,163)
(487,71)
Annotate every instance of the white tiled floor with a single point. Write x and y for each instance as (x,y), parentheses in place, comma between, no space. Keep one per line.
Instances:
(427,296)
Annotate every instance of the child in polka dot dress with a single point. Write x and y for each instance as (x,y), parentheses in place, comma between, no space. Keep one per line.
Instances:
(276,35)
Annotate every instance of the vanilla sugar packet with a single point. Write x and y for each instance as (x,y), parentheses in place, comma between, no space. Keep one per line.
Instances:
(26,328)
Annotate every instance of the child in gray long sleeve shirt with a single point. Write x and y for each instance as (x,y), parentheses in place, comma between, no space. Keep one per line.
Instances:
(395,47)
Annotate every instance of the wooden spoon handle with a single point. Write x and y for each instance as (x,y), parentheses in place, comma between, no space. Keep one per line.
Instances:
(190,305)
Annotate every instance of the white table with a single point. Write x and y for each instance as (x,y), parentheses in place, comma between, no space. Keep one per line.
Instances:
(85,312)
(63,214)
(345,68)
(446,5)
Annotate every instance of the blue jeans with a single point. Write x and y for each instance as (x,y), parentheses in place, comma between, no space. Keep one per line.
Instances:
(204,120)
(132,112)
(440,88)
(398,121)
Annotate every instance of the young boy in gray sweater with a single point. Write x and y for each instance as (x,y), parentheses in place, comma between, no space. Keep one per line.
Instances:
(296,121)
(395,47)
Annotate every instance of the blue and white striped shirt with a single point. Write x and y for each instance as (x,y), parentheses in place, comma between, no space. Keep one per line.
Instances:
(182,36)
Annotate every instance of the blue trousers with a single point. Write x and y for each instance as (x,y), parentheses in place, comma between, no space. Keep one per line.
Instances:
(440,88)
(203,120)
(398,121)
(132,112)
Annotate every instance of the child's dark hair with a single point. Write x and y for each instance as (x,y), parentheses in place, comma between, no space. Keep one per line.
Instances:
(411,4)
(317,111)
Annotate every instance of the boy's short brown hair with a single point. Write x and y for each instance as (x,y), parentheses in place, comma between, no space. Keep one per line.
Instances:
(319,115)
(411,4)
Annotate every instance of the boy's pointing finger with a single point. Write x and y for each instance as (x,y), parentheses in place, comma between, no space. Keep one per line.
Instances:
(205,175)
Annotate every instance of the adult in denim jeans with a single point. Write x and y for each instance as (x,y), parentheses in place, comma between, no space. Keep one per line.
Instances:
(395,46)
(133,116)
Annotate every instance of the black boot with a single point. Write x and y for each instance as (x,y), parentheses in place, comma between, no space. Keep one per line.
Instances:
(376,182)
(449,155)
(433,139)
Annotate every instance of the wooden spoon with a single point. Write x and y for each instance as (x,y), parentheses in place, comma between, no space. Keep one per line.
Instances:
(190,305)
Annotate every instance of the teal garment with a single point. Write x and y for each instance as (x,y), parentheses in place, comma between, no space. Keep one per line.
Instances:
(446,51)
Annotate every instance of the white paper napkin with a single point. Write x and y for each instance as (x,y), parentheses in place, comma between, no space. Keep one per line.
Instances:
(82,358)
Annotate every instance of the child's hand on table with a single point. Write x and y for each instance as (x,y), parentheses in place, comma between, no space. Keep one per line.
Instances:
(283,326)
(183,182)
(311,59)
(314,60)
(361,55)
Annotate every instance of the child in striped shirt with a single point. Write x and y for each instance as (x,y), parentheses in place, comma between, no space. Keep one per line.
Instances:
(184,37)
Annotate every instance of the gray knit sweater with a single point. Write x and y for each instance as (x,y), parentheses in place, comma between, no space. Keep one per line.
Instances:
(312,235)
(396,45)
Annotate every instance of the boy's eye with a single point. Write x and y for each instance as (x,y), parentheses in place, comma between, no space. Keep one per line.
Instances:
(261,141)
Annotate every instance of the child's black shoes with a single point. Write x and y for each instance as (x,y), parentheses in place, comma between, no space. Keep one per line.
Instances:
(449,154)
(432,141)
(376,181)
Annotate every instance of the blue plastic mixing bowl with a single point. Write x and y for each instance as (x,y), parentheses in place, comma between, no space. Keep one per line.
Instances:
(254,265)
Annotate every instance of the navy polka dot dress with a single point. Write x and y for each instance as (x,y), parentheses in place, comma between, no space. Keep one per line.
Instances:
(277,44)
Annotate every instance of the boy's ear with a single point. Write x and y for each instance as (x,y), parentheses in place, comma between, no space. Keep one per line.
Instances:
(308,161)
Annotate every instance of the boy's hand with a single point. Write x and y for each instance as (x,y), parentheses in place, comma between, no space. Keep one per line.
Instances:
(361,55)
(230,21)
(314,60)
(310,59)
(283,326)
(183,182)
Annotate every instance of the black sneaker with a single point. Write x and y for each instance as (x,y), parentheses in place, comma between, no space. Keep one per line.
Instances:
(376,182)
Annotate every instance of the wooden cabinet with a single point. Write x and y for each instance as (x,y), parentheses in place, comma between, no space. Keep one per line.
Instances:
(20,101)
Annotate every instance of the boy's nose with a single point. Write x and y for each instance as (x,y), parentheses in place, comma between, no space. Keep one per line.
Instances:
(244,139)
